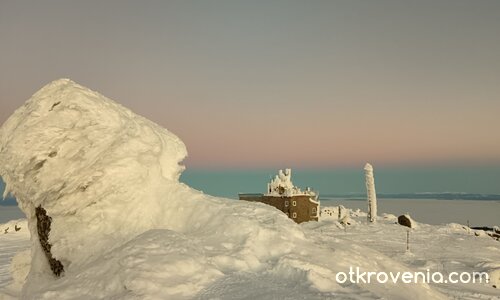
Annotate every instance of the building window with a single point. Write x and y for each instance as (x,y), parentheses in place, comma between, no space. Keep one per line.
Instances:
(294,203)
(313,211)
(286,203)
(294,215)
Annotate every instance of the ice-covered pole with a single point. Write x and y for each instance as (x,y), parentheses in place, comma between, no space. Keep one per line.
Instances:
(370,192)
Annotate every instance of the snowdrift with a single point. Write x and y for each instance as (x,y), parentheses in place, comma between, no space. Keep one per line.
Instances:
(109,219)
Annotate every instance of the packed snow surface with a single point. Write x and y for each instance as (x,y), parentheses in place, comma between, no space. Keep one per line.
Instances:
(124,227)
(444,248)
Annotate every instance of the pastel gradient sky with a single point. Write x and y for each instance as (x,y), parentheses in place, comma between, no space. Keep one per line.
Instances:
(274,83)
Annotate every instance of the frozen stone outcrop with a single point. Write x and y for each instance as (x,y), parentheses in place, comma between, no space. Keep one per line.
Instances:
(407,221)
(71,157)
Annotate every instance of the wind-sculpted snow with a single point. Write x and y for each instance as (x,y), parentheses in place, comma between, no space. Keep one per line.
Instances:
(123,226)
(92,164)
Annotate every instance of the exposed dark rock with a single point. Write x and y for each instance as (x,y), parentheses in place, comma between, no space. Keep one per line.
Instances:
(495,236)
(39,165)
(17,228)
(493,232)
(83,188)
(54,105)
(484,228)
(43,227)
(405,220)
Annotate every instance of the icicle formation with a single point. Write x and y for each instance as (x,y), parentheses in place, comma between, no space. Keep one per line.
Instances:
(371,195)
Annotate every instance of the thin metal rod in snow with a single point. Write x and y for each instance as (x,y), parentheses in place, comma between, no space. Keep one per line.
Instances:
(370,192)
(408,240)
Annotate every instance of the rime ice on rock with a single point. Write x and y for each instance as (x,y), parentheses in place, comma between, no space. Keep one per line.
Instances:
(371,194)
(71,157)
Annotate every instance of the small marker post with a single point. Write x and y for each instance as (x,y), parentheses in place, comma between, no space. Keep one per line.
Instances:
(408,240)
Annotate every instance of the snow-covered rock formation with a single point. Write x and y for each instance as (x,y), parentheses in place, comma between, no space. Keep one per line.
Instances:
(86,168)
(371,194)
(99,187)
